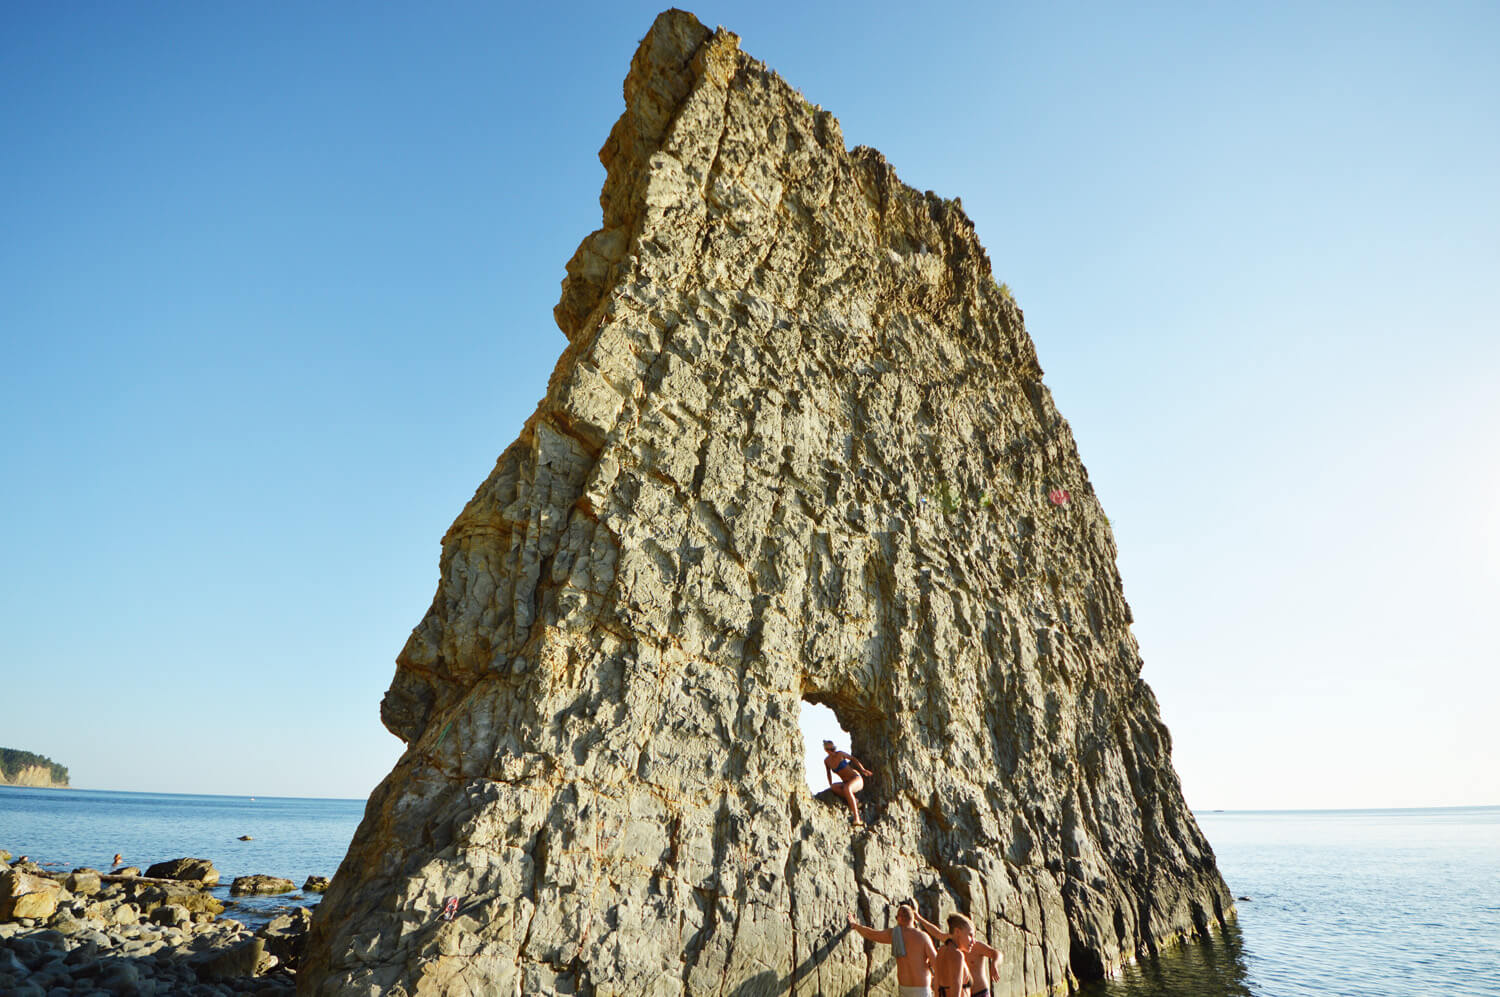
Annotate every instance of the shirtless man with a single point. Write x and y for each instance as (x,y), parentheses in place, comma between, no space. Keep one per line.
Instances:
(914,951)
(978,957)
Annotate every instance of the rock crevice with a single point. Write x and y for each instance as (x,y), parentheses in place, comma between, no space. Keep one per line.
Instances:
(797,448)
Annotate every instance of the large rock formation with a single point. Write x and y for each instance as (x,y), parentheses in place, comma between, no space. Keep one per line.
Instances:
(797,448)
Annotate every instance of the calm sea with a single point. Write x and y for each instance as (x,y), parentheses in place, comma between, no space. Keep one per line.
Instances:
(1344,903)
(293,838)
(1373,903)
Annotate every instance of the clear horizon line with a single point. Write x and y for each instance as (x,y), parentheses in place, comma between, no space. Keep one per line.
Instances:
(365,798)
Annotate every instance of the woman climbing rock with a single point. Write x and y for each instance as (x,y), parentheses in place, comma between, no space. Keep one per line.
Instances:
(849,770)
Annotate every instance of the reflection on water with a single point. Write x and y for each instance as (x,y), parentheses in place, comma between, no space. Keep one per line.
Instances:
(1212,967)
(1378,903)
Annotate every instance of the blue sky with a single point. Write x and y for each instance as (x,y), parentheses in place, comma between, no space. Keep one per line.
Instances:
(276,289)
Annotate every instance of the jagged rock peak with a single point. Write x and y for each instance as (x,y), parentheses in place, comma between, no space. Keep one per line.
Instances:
(796,449)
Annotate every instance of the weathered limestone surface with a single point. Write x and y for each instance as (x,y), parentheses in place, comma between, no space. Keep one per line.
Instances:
(798,447)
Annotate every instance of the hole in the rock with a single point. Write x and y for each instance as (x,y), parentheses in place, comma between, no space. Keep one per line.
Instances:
(819,724)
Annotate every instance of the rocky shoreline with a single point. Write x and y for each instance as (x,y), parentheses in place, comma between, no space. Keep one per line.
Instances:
(158,932)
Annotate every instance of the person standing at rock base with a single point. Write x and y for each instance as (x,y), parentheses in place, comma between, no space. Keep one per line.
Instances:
(849,770)
(914,951)
(978,957)
(950,971)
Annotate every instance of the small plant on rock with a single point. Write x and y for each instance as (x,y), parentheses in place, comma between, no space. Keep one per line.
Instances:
(946,498)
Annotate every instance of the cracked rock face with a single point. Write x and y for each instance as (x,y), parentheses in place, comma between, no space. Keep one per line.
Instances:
(798,447)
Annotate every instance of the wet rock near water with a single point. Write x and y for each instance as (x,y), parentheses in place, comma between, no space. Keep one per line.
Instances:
(315,884)
(260,885)
(200,871)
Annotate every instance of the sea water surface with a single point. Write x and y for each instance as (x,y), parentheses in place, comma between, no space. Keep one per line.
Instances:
(1349,903)
(292,838)
(1344,903)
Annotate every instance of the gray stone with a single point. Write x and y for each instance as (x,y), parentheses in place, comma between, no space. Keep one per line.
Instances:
(286,935)
(138,948)
(797,447)
(239,960)
(120,977)
(173,915)
(66,923)
(32,954)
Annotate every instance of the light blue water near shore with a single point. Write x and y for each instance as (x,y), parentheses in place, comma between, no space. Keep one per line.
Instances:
(293,838)
(1375,903)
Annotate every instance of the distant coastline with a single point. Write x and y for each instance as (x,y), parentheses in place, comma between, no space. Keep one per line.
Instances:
(1303,811)
(23,768)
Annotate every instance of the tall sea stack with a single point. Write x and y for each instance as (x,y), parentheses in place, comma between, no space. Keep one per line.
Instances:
(797,448)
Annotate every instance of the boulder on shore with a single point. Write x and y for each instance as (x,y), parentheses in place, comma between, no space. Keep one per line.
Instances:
(285,935)
(188,870)
(127,871)
(83,882)
(154,895)
(236,962)
(315,884)
(25,895)
(171,915)
(244,885)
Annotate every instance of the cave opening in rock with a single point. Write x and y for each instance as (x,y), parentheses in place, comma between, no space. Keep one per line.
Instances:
(819,723)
